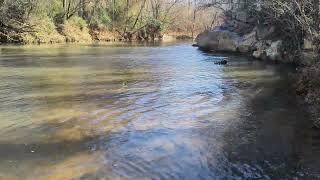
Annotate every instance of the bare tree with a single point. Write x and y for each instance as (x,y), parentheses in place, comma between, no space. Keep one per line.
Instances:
(73,7)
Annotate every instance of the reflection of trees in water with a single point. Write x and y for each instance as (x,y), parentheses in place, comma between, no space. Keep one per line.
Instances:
(59,106)
(49,160)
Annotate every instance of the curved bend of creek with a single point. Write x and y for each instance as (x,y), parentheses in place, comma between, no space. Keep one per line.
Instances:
(149,112)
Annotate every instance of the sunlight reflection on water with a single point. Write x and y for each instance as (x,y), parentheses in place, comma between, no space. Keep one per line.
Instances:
(160,112)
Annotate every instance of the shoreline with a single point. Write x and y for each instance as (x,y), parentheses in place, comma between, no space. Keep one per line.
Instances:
(97,42)
(302,80)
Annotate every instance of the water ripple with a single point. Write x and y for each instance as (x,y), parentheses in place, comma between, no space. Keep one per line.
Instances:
(149,113)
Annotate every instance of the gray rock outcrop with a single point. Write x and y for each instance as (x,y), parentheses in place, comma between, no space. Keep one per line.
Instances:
(252,43)
(226,41)
(218,40)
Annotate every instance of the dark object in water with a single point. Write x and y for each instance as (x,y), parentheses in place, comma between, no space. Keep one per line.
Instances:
(195,45)
(222,62)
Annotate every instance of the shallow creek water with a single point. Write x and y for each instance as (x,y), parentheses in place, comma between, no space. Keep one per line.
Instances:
(164,111)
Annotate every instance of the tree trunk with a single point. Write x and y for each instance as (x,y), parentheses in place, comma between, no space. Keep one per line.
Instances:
(193,23)
(81,8)
(316,14)
(139,14)
(64,4)
(1,2)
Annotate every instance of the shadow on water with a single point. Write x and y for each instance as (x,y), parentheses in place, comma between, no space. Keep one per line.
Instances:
(272,139)
(48,160)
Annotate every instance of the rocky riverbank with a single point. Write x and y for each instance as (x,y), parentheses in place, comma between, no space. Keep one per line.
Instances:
(242,35)
(259,42)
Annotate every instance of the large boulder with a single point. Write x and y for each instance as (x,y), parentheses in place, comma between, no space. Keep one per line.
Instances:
(218,40)
(247,42)
(268,50)
(224,40)
(228,41)
(259,54)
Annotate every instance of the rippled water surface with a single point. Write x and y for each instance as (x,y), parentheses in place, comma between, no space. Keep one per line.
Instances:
(149,112)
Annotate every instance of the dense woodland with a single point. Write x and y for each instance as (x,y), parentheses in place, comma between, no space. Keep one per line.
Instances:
(50,21)
(45,21)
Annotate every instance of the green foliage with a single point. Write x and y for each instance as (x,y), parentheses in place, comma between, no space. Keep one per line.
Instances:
(13,16)
(70,18)
(77,22)
(54,8)
(100,19)
(154,22)
(153,26)
(118,10)
(15,10)
(75,30)
(43,31)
